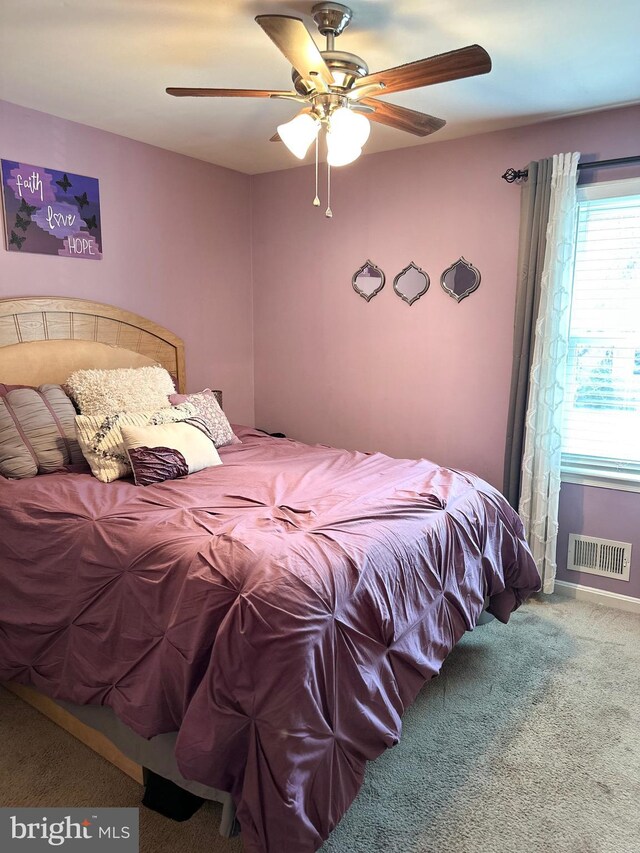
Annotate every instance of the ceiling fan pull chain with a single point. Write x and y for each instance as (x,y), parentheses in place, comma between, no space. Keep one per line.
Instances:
(328,212)
(316,201)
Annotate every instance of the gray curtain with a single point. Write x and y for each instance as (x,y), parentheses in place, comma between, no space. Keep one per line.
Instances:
(534,216)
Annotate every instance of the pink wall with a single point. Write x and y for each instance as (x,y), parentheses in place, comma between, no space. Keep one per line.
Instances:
(428,380)
(176,236)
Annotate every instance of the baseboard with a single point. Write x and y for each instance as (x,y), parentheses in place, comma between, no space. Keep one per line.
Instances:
(598,596)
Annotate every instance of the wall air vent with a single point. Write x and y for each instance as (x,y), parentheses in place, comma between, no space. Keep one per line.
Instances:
(599,557)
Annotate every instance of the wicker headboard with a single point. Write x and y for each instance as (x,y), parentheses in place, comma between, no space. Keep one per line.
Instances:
(120,337)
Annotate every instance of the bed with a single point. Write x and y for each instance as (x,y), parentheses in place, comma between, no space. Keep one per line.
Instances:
(273,616)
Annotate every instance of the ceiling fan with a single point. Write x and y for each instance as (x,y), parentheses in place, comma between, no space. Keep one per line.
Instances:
(337,90)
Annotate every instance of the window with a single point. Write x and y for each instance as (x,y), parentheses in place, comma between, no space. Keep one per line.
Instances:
(601,432)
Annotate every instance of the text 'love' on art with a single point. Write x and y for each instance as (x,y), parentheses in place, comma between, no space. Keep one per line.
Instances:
(51,212)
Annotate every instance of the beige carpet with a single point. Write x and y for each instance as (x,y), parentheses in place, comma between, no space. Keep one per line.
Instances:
(528,742)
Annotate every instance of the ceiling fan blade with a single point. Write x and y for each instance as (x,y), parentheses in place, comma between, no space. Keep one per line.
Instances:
(228,93)
(294,40)
(420,124)
(454,65)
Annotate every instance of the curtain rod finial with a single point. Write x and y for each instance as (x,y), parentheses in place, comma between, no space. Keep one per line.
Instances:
(512,175)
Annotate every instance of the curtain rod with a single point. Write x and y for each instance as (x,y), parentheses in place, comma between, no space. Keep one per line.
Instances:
(512,175)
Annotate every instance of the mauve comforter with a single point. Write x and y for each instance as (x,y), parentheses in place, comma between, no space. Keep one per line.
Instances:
(280,611)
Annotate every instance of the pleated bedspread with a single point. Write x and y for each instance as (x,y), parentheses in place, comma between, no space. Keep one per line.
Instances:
(279,611)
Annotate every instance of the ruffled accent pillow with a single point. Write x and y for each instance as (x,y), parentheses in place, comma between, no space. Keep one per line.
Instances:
(37,431)
(168,451)
(101,441)
(123,389)
(208,409)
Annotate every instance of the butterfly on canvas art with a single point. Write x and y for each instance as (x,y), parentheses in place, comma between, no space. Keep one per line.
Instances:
(82,199)
(27,208)
(65,183)
(16,241)
(21,223)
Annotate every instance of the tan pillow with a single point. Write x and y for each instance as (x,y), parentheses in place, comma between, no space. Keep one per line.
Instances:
(101,441)
(123,389)
(168,451)
(37,432)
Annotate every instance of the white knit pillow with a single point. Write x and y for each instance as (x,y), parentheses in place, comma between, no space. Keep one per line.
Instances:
(101,441)
(123,389)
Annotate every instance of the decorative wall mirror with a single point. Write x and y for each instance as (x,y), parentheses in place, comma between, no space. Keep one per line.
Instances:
(460,279)
(368,280)
(411,283)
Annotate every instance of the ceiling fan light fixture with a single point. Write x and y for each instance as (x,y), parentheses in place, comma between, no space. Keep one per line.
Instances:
(299,133)
(343,158)
(349,126)
(341,151)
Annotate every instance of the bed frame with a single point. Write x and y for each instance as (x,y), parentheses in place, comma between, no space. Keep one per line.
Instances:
(44,339)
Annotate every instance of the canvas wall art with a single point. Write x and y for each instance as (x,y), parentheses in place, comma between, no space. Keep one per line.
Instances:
(51,212)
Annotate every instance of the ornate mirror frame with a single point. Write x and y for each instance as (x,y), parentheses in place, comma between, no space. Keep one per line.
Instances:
(474,279)
(367,265)
(397,279)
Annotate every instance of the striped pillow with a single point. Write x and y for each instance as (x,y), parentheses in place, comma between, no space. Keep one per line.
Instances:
(37,431)
(101,440)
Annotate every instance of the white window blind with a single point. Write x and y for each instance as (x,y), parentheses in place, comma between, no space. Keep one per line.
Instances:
(601,434)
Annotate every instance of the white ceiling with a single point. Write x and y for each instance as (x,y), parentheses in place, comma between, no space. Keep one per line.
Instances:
(106,63)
